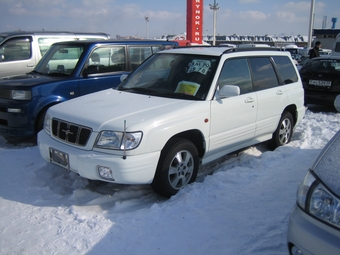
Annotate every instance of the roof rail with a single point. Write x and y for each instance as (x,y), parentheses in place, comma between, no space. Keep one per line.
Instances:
(251,49)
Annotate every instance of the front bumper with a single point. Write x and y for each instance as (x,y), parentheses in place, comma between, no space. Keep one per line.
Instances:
(135,169)
(16,123)
(312,236)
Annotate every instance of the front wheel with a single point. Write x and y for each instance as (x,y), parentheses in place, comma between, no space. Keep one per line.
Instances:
(177,167)
(283,133)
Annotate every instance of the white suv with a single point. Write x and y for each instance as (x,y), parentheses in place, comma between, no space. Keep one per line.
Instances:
(180,109)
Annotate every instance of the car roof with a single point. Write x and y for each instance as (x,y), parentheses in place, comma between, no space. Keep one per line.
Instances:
(219,50)
(11,33)
(111,41)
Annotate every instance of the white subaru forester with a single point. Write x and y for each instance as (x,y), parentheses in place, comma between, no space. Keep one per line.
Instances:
(180,109)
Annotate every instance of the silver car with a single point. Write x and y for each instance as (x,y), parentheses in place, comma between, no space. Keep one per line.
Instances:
(314,225)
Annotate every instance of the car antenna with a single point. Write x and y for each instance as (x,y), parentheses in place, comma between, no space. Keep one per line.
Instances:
(124,155)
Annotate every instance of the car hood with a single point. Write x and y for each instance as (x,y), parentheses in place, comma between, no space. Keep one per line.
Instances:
(327,165)
(109,109)
(27,80)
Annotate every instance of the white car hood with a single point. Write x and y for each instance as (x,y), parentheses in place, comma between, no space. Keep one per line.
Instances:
(108,109)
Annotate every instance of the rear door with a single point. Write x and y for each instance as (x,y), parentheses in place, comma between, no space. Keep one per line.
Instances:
(271,95)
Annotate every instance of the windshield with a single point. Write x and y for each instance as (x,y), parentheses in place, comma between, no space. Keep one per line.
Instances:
(183,76)
(60,60)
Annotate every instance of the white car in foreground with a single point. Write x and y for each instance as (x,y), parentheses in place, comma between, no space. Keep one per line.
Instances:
(179,109)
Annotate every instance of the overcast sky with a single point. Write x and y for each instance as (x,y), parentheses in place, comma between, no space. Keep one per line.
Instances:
(127,17)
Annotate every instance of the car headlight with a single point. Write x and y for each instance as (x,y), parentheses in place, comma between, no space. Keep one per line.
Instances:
(317,200)
(118,140)
(21,95)
(47,123)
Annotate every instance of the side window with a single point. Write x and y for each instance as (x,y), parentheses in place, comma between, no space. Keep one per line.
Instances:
(236,72)
(286,69)
(107,59)
(263,73)
(16,49)
(46,42)
(138,54)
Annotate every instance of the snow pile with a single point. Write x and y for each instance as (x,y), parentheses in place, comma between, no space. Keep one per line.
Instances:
(242,208)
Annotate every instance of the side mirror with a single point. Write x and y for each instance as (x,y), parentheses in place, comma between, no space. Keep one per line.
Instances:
(228,91)
(337,103)
(123,77)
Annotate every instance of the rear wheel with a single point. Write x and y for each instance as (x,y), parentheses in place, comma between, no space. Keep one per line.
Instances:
(177,167)
(283,133)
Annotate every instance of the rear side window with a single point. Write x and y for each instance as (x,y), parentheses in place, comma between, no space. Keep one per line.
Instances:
(236,72)
(46,42)
(286,69)
(263,73)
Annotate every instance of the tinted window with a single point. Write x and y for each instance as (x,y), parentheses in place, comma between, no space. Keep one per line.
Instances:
(16,49)
(263,73)
(286,69)
(236,72)
(321,65)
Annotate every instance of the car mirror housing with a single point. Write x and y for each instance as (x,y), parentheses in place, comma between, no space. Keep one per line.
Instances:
(228,91)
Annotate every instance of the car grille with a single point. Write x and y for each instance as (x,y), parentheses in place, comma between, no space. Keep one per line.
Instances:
(70,133)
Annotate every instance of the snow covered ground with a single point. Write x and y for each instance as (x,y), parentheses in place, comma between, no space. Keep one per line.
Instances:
(242,208)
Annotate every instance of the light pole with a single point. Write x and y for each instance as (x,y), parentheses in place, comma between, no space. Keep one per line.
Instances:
(215,8)
(146,22)
(311,24)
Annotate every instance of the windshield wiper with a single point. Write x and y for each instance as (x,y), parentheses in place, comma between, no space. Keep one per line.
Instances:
(58,74)
(139,90)
(36,72)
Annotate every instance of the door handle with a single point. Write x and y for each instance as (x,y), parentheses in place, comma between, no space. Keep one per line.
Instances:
(30,65)
(279,92)
(249,100)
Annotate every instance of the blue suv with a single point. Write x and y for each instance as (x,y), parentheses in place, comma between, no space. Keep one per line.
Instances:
(68,70)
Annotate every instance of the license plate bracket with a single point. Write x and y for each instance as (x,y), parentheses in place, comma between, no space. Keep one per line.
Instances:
(59,158)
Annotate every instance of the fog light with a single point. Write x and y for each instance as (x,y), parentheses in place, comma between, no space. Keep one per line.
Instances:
(105,172)
(296,251)
(13,110)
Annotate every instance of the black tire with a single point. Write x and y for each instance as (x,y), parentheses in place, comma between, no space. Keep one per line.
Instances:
(40,121)
(284,131)
(177,167)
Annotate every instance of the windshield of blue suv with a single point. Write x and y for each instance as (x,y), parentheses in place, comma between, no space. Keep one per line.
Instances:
(183,76)
(60,60)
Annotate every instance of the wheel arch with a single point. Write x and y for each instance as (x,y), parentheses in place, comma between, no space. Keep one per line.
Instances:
(292,109)
(195,136)
(41,113)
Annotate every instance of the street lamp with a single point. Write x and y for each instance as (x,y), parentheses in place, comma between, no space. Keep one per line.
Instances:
(215,8)
(146,22)
(311,24)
